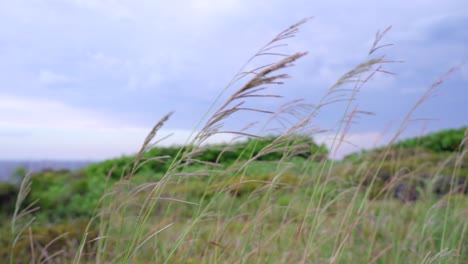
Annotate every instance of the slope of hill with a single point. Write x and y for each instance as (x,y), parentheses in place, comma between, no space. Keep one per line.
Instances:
(231,184)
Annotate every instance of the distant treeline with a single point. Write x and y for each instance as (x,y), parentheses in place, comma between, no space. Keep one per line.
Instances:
(218,153)
(443,141)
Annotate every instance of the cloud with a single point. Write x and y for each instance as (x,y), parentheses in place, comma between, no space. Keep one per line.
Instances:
(464,71)
(413,90)
(440,28)
(112,8)
(87,144)
(124,62)
(43,113)
(103,61)
(47,129)
(13,133)
(49,77)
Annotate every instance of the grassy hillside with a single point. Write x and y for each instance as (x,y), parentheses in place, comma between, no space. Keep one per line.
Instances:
(262,197)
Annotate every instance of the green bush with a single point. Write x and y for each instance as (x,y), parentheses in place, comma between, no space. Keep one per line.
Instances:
(443,141)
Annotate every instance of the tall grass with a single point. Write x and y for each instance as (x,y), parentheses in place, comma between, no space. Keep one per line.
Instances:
(286,211)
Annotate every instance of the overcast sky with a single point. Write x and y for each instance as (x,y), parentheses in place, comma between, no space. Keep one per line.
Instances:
(87,79)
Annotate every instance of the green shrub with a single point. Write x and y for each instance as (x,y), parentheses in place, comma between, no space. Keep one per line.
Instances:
(443,141)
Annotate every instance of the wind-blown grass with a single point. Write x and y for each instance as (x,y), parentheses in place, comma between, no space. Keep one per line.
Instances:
(282,211)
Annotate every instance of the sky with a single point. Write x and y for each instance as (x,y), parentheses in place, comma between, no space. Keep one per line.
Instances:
(87,79)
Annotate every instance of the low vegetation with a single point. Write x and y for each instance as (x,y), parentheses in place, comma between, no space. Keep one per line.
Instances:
(267,199)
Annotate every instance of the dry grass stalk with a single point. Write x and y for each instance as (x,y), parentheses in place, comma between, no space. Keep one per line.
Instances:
(262,77)
(147,143)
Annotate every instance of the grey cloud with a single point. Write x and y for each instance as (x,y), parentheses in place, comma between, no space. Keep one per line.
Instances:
(140,59)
